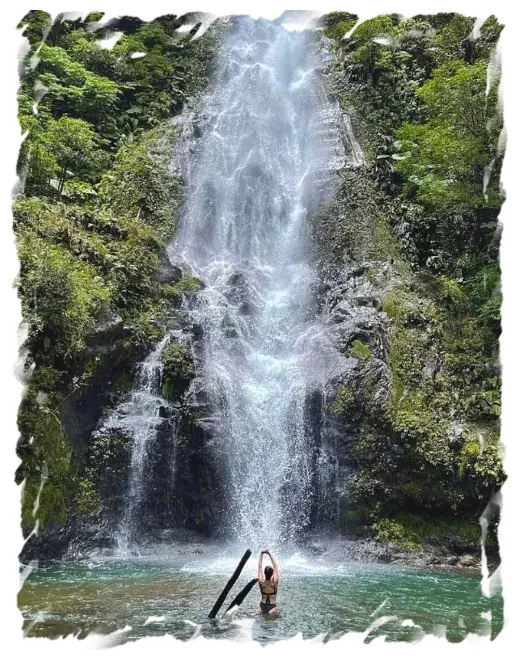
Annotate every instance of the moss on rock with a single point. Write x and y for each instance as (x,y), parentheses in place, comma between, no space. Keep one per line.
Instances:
(360,350)
(344,401)
(178,370)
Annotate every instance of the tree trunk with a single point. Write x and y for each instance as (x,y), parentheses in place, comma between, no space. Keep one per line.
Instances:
(61,184)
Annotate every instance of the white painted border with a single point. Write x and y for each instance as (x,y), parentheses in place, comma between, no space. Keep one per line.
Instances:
(13,645)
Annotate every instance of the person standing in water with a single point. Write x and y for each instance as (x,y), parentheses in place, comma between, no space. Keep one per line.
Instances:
(268,580)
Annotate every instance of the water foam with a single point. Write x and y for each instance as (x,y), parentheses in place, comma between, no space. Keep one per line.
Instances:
(270,143)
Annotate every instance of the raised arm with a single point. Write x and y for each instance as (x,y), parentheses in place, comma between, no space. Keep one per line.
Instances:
(274,566)
(260,568)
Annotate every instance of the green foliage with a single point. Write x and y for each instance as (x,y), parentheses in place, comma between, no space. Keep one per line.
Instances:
(439,373)
(420,529)
(338,23)
(390,303)
(450,42)
(46,463)
(56,150)
(439,162)
(451,291)
(71,142)
(380,26)
(87,503)
(360,350)
(150,322)
(488,38)
(455,94)
(36,23)
(98,204)
(344,400)
(140,183)
(443,158)
(416,90)
(74,90)
(385,245)
(482,456)
(409,531)
(186,284)
(61,295)
(122,385)
(83,48)
(178,370)
(408,308)
(119,255)
(388,531)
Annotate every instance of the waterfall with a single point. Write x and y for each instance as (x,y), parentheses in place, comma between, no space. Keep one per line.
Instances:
(139,418)
(258,159)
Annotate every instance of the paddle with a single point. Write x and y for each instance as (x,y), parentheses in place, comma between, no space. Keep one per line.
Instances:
(229,585)
(238,600)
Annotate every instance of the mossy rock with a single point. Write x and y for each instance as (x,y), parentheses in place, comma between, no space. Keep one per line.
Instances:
(87,500)
(360,350)
(106,477)
(178,370)
(46,459)
(344,400)
(186,284)
(338,23)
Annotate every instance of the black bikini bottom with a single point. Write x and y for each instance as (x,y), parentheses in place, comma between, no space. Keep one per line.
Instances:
(266,607)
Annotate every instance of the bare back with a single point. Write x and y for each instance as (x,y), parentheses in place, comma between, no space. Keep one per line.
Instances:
(268,586)
(268,590)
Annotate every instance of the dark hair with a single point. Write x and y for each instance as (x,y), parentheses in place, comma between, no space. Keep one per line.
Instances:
(268,572)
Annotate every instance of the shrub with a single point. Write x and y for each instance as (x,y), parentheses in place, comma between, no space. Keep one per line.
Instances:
(344,400)
(178,370)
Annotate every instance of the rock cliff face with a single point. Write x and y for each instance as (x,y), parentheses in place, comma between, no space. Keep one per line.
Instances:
(404,451)
(397,411)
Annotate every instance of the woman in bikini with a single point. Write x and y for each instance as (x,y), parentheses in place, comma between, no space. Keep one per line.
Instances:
(268,580)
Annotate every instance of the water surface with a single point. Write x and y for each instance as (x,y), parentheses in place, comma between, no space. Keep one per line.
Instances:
(314,599)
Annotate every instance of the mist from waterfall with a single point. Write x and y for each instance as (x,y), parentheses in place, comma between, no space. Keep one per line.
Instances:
(258,158)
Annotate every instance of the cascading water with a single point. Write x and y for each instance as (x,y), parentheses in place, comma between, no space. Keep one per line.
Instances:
(140,418)
(259,158)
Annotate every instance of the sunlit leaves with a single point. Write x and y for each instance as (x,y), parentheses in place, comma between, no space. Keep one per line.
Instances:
(455,95)
(338,23)
(443,159)
(436,157)
(36,23)
(381,26)
(449,43)
(74,90)
(61,295)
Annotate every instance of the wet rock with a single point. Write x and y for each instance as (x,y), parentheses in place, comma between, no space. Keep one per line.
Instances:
(163,412)
(168,274)
(246,308)
(197,331)
(469,560)
(108,328)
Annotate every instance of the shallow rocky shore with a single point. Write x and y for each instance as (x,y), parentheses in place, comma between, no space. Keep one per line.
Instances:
(368,550)
(97,543)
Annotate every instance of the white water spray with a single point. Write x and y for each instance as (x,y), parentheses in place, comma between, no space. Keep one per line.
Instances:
(269,143)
